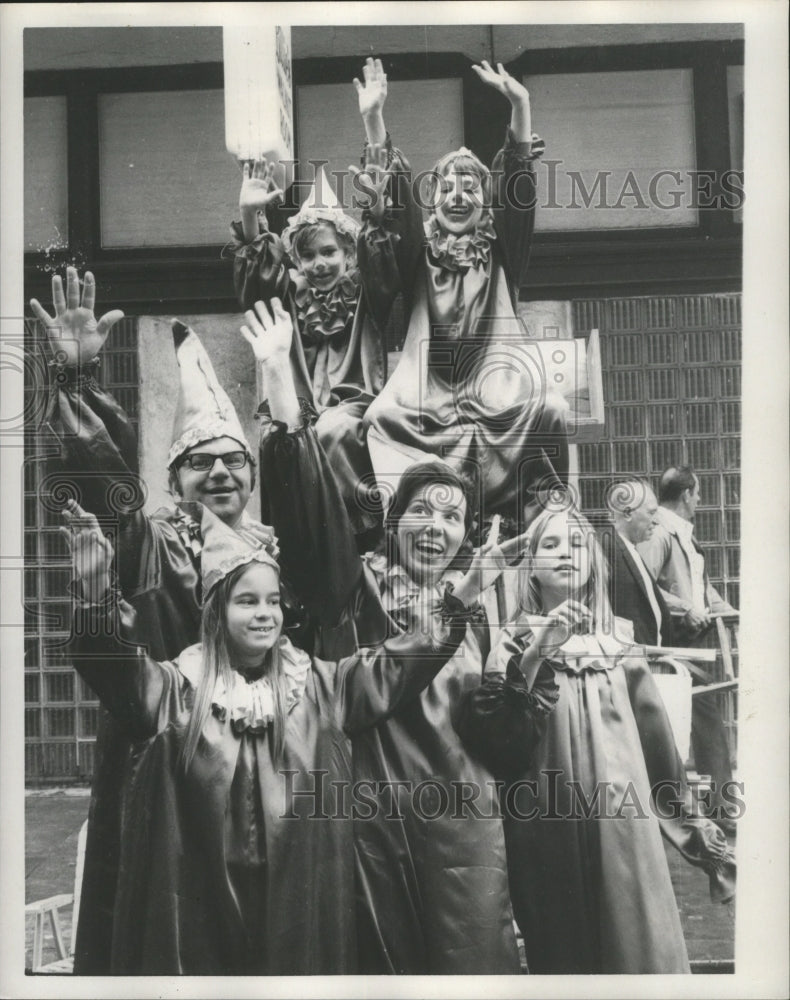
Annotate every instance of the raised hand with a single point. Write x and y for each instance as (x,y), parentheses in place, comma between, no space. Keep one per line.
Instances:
(371,183)
(515,92)
(373,93)
(502,81)
(258,188)
(91,551)
(487,565)
(269,333)
(74,334)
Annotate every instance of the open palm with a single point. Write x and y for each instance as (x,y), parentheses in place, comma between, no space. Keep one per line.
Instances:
(91,551)
(269,334)
(258,188)
(502,81)
(75,335)
(373,93)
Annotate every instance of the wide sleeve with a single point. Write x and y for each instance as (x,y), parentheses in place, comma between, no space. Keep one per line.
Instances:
(301,500)
(375,682)
(388,250)
(502,721)
(260,268)
(98,461)
(695,836)
(514,202)
(140,693)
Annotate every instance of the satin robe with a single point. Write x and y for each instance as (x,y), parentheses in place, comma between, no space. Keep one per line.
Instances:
(433,892)
(178,910)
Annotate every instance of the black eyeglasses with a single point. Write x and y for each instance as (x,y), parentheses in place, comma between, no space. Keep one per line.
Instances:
(202,461)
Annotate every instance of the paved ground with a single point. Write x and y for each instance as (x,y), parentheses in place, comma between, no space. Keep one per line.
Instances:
(53,820)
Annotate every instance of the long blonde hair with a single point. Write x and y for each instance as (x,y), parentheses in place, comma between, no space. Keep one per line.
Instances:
(217,665)
(594,592)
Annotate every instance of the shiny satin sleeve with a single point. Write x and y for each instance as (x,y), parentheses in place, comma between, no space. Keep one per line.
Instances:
(388,250)
(502,721)
(515,201)
(301,500)
(98,463)
(260,268)
(377,681)
(142,694)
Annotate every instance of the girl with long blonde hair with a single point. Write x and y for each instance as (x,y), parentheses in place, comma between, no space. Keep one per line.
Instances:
(588,875)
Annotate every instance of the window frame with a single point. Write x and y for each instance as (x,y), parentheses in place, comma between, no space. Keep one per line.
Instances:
(564,265)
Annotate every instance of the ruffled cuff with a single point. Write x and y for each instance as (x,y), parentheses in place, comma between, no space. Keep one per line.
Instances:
(538,701)
(105,605)
(375,232)
(502,722)
(452,611)
(240,247)
(100,621)
(704,845)
(307,414)
(530,150)
(390,150)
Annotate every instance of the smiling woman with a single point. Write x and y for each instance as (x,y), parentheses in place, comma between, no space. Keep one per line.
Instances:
(434,895)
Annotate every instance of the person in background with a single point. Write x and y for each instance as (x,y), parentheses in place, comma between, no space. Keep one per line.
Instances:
(633,592)
(637,602)
(676,560)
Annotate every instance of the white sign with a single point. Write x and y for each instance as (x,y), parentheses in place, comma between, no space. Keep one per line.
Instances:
(258,92)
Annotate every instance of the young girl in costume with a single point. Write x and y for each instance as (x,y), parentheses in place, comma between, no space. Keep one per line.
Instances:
(339,355)
(465,387)
(237,855)
(432,873)
(588,874)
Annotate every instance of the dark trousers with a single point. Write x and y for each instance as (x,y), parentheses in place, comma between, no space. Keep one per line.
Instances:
(709,741)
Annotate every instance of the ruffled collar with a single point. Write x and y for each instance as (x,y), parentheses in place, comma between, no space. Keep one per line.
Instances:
(398,590)
(581,653)
(323,315)
(460,253)
(250,704)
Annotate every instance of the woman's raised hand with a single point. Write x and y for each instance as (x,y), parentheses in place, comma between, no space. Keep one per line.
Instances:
(74,334)
(91,551)
(258,188)
(269,333)
(373,93)
(487,564)
(371,183)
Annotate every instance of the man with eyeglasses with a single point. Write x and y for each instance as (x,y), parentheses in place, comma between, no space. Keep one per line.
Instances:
(157,556)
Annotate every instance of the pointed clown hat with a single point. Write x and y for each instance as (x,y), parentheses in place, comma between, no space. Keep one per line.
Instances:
(224,549)
(203,411)
(321,205)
